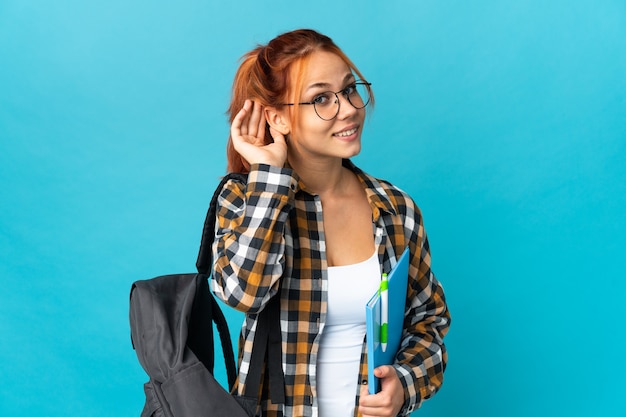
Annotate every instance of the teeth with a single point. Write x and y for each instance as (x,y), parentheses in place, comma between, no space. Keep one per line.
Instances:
(346,133)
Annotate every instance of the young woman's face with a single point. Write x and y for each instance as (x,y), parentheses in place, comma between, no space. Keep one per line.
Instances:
(318,138)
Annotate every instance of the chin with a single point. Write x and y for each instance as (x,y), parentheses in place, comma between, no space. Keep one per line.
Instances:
(353,151)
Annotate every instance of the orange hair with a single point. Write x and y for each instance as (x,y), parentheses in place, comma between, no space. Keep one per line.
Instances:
(265,75)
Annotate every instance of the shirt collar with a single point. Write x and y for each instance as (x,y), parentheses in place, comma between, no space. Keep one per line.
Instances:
(375,190)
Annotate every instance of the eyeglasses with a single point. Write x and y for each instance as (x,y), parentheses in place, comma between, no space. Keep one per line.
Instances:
(326,106)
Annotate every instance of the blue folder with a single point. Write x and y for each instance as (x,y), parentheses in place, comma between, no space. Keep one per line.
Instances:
(398,280)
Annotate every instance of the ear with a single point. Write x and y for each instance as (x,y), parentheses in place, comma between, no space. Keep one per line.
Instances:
(278,119)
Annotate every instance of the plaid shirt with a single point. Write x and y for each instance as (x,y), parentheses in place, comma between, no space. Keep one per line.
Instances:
(270,240)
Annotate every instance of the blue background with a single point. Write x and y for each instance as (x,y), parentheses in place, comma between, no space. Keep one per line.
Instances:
(505,120)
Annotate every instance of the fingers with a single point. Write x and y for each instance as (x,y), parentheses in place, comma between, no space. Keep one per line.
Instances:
(248,137)
(364,390)
(364,409)
(261,122)
(277,136)
(256,122)
(389,400)
(249,124)
(384,371)
(239,126)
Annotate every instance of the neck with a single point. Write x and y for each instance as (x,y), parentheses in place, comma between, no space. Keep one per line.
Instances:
(321,177)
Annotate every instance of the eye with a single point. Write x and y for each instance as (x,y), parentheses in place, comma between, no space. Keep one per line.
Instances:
(349,90)
(323,99)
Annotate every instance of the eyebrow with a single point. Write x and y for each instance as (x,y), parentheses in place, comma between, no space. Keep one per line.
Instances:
(327,85)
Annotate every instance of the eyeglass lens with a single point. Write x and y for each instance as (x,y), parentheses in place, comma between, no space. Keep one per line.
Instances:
(327,104)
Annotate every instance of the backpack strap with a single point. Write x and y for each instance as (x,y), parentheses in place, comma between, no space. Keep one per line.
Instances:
(267,345)
(227,347)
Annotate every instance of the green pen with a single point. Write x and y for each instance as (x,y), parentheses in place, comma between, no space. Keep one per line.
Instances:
(384,310)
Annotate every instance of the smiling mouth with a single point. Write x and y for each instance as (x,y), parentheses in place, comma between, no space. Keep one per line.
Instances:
(346,132)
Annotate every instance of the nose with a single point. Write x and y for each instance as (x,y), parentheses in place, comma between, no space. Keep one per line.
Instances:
(346,109)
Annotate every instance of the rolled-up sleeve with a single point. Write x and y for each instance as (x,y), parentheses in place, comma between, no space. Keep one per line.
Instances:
(249,246)
(422,357)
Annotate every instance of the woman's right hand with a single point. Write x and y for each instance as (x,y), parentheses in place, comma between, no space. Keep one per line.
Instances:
(248,135)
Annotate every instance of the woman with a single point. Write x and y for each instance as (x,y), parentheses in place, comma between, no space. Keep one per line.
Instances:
(316,231)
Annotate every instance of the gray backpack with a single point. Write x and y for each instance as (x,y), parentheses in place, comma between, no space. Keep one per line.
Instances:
(171,321)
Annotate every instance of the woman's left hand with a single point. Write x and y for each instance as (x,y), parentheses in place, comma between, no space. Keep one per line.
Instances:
(389,400)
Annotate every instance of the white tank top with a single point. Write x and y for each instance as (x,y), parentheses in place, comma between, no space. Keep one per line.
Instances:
(349,288)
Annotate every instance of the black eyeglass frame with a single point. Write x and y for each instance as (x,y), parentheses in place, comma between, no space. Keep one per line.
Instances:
(359,82)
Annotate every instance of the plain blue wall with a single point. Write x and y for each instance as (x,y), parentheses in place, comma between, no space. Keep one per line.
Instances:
(506,120)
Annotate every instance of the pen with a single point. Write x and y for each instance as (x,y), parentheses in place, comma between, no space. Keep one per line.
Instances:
(384,310)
